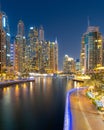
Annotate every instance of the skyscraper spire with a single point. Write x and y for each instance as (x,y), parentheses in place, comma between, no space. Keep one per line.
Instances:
(56,40)
(20,28)
(88,22)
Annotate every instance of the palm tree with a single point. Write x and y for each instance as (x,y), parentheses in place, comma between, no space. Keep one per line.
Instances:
(95,81)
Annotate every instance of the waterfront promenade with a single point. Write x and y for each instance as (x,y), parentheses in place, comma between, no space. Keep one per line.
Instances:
(11,82)
(85,116)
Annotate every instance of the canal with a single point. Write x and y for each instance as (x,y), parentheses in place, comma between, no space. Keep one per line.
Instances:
(38,105)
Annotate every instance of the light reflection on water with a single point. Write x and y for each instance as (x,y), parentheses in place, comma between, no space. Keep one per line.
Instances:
(36,105)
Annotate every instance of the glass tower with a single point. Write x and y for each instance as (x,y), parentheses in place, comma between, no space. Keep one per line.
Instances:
(91,49)
(4,40)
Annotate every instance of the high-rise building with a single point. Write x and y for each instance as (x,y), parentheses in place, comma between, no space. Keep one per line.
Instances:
(12,54)
(41,33)
(4,41)
(42,56)
(68,65)
(91,55)
(32,49)
(20,28)
(20,44)
(54,56)
(5,26)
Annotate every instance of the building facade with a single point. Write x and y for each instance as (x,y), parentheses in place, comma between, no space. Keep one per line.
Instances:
(91,55)
(4,42)
(41,34)
(68,65)
(41,55)
(20,45)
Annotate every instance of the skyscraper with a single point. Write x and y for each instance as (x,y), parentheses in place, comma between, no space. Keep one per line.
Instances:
(20,44)
(41,33)
(41,56)
(54,56)
(4,41)
(91,49)
(20,28)
(32,49)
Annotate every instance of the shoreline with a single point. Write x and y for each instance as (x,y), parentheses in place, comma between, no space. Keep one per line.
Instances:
(8,83)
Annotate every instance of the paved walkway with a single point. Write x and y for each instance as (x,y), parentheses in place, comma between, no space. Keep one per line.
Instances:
(84,113)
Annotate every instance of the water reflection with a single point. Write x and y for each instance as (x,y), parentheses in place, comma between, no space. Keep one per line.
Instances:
(17,90)
(35,105)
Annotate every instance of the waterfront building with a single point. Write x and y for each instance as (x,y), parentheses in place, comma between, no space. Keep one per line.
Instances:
(47,57)
(91,55)
(54,56)
(4,42)
(42,55)
(32,50)
(20,44)
(68,65)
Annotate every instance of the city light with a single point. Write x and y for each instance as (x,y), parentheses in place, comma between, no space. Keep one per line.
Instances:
(68,114)
(8,34)
(4,22)
(31,28)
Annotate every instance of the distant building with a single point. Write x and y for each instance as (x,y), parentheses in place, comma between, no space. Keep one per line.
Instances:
(47,57)
(54,56)
(42,56)
(12,54)
(41,33)
(32,50)
(77,65)
(20,28)
(91,55)
(68,65)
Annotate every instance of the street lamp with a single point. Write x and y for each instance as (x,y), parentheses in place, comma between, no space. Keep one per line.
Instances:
(78,91)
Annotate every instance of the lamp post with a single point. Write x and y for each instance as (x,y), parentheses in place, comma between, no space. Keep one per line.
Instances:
(78,91)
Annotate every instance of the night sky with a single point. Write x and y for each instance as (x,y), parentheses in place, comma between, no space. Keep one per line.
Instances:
(64,19)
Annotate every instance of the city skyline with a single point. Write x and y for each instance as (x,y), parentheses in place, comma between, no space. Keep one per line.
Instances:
(66,20)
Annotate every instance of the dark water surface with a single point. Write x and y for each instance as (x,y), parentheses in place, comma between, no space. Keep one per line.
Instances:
(36,105)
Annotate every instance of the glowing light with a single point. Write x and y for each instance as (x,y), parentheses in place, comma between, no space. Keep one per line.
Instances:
(31,28)
(4,46)
(4,22)
(24,37)
(17,90)
(66,55)
(8,55)
(53,43)
(68,114)
(96,40)
(8,34)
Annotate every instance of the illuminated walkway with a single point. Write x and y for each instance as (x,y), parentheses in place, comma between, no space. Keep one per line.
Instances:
(68,115)
(80,113)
